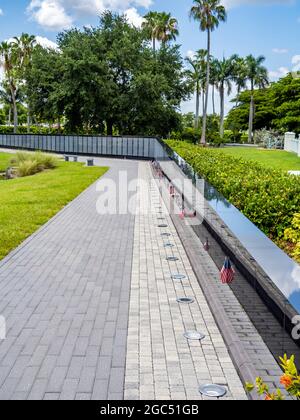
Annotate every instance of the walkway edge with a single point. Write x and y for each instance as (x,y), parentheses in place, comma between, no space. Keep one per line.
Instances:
(241,361)
(191,243)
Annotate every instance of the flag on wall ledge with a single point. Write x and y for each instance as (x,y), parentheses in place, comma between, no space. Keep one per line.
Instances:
(227,272)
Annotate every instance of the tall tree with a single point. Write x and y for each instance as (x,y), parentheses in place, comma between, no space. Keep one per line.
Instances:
(25,45)
(150,26)
(9,62)
(223,77)
(240,75)
(213,81)
(257,75)
(196,74)
(209,13)
(160,27)
(167,28)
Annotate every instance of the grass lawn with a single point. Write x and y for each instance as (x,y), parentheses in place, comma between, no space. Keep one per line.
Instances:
(4,161)
(28,203)
(275,159)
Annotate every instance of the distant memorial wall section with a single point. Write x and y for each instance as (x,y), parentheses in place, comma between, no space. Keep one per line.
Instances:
(130,147)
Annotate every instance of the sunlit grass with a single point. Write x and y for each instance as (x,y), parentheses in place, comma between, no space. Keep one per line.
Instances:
(27,203)
(276,159)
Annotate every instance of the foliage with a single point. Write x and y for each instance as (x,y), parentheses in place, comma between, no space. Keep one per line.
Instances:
(28,203)
(209,14)
(6,129)
(160,26)
(290,380)
(32,163)
(188,132)
(269,198)
(107,78)
(292,235)
(277,107)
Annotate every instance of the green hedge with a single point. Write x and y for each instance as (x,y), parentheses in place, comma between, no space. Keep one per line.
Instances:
(5,129)
(269,198)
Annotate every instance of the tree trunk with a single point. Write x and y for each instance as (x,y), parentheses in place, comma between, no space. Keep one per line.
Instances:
(154,44)
(213,99)
(28,119)
(251,115)
(197,106)
(109,127)
(15,109)
(9,116)
(222,113)
(203,138)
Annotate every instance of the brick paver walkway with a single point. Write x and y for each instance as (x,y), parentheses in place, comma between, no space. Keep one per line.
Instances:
(161,363)
(65,296)
(85,287)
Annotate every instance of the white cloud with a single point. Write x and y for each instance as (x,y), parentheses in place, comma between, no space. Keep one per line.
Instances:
(280,50)
(1,12)
(61,14)
(296,63)
(235,3)
(191,54)
(50,14)
(280,72)
(134,17)
(46,43)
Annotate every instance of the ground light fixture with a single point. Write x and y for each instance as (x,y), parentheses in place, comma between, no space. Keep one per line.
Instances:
(172,259)
(185,300)
(194,335)
(162,226)
(178,277)
(165,234)
(213,391)
(169,245)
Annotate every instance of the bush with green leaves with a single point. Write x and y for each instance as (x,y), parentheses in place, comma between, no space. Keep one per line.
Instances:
(22,129)
(292,236)
(28,164)
(269,198)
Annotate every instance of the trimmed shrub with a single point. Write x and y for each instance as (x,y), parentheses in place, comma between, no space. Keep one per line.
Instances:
(269,198)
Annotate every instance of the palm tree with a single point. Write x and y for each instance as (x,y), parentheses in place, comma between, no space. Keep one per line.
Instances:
(213,81)
(160,27)
(25,45)
(167,28)
(209,13)
(240,75)
(150,26)
(9,61)
(257,75)
(224,74)
(196,75)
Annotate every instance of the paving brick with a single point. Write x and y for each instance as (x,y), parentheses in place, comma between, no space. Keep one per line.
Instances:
(60,294)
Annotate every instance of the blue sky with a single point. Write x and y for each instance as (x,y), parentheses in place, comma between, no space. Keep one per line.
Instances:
(268,27)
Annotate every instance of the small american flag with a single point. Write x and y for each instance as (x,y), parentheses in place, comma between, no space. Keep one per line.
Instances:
(227,272)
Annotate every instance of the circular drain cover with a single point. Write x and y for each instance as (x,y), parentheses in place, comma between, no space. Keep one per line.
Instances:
(194,335)
(185,300)
(172,259)
(162,226)
(178,277)
(166,234)
(169,245)
(214,391)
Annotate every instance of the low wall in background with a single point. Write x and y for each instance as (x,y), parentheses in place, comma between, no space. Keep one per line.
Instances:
(129,147)
(292,143)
